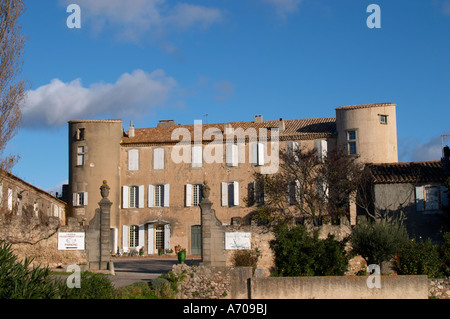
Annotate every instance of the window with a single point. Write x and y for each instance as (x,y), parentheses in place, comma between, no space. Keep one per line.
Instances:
(80,199)
(133,196)
(133,160)
(257,154)
(159,237)
(351,142)
(193,194)
(232,155)
(10,199)
(80,155)
(134,236)
(321,149)
(197,155)
(430,198)
(383,119)
(230,194)
(80,134)
(292,147)
(158,158)
(158,195)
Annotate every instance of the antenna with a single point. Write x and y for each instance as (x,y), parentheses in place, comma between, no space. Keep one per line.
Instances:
(206,115)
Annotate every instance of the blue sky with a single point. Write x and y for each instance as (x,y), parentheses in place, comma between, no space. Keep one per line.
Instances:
(147,60)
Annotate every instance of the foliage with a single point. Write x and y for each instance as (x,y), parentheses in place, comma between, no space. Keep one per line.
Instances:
(20,281)
(93,286)
(444,253)
(378,241)
(419,258)
(307,186)
(140,290)
(300,253)
(246,258)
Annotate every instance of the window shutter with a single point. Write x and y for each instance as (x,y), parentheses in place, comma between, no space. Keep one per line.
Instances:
(125,234)
(292,147)
(151,196)
(166,195)
(151,235)
(85,201)
(74,199)
(166,236)
(158,158)
(236,193)
(197,156)
(133,160)
(188,195)
(141,236)
(321,149)
(420,204)
(224,194)
(232,155)
(444,196)
(141,197)
(261,157)
(125,196)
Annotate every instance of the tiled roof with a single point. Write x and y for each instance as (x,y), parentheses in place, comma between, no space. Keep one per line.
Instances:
(297,128)
(364,106)
(411,172)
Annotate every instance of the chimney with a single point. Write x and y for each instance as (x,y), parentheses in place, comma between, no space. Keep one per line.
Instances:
(131,130)
(166,123)
(227,128)
(258,118)
(281,125)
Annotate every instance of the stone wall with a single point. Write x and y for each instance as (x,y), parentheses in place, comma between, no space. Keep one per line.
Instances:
(439,288)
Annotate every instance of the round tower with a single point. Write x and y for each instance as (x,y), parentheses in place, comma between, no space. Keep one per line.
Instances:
(94,156)
(368,131)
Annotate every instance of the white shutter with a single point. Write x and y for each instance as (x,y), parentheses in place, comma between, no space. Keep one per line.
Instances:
(166,195)
(158,158)
(74,199)
(232,155)
(420,205)
(236,193)
(151,196)
(321,149)
(224,194)
(188,195)
(125,235)
(133,160)
(261,154)
(141,197)
(166,236)
(292,147)
(85,202)
(444,196)
(197,156)
(141,236)
(125,196)
(151,235)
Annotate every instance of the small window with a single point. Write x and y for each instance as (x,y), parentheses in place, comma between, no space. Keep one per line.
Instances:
(80,134)
(197,194)
(80,155)
(230,194)
(158,158)
(159,237)
(133,160)
(352,142)
(383,119)
(80,199)
(159,195)
(134,236)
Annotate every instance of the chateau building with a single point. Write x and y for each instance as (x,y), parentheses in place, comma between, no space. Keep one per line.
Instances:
(155,174)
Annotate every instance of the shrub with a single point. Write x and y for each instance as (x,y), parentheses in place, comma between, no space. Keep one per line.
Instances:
(246,258)
(378,241)
(21,281)
(299,253)
(92,286)
(419,258)
(140,290)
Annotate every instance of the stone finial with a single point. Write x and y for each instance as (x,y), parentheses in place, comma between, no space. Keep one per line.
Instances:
(104,189)
(206,190)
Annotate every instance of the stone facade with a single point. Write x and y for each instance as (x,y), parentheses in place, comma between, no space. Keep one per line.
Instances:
(155,196)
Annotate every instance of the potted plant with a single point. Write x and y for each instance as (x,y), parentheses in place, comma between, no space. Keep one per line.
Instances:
(141,252)
(181,253)
(160,251)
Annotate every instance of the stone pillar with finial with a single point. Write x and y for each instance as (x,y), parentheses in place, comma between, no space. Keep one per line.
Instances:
(213,232)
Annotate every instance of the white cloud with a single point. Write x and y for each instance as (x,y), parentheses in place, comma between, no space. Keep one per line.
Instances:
(134,20)
(284,7)
(410,150)
(224,90)
(55,103)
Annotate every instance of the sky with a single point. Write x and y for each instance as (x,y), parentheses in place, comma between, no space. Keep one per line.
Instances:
(225,61)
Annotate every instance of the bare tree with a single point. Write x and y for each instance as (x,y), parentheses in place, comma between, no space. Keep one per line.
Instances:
(12,89)
(309,187)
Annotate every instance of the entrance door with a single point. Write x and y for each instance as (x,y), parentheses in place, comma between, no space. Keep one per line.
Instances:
(196,240)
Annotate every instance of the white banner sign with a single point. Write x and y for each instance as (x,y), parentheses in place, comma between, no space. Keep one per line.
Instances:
(70,241)
(238,241)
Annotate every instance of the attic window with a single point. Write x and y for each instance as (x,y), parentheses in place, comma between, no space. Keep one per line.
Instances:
(80,134)
(383,119)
